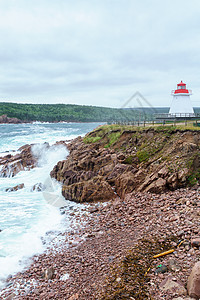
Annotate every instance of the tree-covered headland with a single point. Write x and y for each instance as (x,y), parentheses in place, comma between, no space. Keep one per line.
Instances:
(73,113)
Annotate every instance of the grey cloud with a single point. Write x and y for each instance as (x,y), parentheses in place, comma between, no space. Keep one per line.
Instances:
(97,52)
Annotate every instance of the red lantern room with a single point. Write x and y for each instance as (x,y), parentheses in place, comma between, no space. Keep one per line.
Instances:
(181,88)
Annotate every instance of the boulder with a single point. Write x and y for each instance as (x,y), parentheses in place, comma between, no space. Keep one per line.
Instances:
(125,183)
(95,189)
(118,170)
(172,285)
(157,186)
(148,181)
(193,284)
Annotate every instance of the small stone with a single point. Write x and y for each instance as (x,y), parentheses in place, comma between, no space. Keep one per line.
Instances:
(180,233)
(173,265)
(48,273)
(74,297)
(162,269)
(195,242)
(187,247)
(191,251)
(118,279)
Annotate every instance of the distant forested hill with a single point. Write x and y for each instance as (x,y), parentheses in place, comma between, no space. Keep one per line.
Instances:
(74,113)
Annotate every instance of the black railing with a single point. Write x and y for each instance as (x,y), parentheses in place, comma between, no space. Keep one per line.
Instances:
(176,116)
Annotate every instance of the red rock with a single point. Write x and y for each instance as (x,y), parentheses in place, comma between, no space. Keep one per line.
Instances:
(195,242)
(174,286)
(193,285)
(4,119)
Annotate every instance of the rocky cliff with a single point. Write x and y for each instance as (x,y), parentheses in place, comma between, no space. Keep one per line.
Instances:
(4,120)
(115,160)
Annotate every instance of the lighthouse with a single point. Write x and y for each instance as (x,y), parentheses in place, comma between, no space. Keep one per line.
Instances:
(181,105)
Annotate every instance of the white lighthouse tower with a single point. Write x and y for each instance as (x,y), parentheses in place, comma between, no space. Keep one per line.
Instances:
(181,105)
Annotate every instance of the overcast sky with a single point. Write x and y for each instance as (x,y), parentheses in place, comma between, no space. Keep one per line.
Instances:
(98,52)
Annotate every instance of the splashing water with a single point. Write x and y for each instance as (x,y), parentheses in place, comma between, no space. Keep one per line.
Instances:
(25,214)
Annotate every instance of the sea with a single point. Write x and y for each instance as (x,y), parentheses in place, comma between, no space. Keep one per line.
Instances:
(25,215)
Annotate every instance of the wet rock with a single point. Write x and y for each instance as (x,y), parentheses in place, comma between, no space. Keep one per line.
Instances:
(15,188)
(193,285)
(169,284)
(19,162)
(38,187)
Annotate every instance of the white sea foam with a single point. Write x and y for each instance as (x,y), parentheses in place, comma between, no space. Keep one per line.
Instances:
(25,215)
(21,235)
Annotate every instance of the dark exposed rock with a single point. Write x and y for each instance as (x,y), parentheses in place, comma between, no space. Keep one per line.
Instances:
(38,187)
(15,188)
(162,269)
(25,160)
(18,162)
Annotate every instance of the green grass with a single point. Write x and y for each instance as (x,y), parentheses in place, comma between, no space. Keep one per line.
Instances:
(128,160)
(91,139)
(193,178)
(143,155)
(113,137)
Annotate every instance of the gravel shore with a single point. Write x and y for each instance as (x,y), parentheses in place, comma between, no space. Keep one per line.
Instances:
(82,266)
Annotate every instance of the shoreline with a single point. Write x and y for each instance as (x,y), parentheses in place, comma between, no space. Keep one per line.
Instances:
(113,229)
(87,264)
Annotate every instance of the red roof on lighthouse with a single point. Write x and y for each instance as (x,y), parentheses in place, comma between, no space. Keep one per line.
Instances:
(181,83)
(181,88)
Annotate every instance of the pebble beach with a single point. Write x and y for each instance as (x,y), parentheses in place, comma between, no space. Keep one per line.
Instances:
(82,266)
